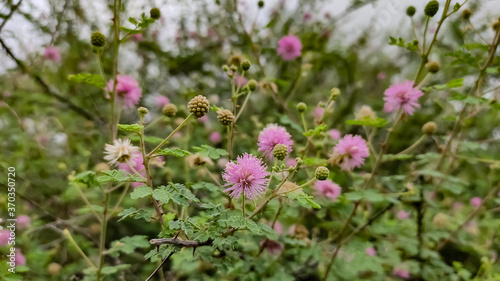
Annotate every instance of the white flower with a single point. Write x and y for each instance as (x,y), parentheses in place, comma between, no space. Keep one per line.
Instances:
(121,151)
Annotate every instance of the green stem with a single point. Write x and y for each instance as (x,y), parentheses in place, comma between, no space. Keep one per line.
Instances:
(413,146)
(102,241)
(150,154)
(67,234)
(243,106)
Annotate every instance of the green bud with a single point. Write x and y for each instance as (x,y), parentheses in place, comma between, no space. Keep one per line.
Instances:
(252,85)
(335,93)
(225,68)
(322,173)
(261,4)
(431,8)
(280,151)
(245,65)
(410,11)
(301,107)
(98,39)
(155,13)
(233,68)
(142,111)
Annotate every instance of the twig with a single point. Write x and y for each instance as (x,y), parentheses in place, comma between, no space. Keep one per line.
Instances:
(160,266)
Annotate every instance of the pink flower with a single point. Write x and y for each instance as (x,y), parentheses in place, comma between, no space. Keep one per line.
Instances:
(20,258)
(476,202)
(278,227)
(23,221)
(137,37)
(247,176)
(239,80)
(328,189)
(138,164)
(402,96)
(402,215)
(52,53)
(350,152)
(289,47)
(4,237)
(272,135)
(371,251)
(215,137)
(161,101)
(204,119)
(307,16)
(290,162)
(127,89)
(457,206)
(400,272)
(334,134)
(317,113)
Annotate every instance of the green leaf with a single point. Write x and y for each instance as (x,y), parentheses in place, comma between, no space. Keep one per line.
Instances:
(284,119)
(130,212)
(237,221)
(174,152)
(212,152)
(253,227)
(131,31)
(394,157)
(206,185)
(162,194)
(132,20)
(367,121)
(87,178)
(128,244)
(316,131)
(304,199)
(120,176)
(176,192)
(141,192)
(89,78)
(136,128)
(148,139)
(107,270)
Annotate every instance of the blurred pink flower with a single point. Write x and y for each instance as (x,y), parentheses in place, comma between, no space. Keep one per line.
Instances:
(23,221)
(204,119)
(290,162)
(4,237)
(221,163)
(381,76)
(334,134)
(402,96)
(400,272)
(52,53)
(215,137)
(272,135)
(457,206)
(127,89)
(247,176)
(20,258)
(289,47)
(278,227)
(307,16)
(402,215)
(317,113)
(328,189)
(476,202)
(137,37)
(161,101)
(239,80)
(350,152)
(371,251)
(272,246)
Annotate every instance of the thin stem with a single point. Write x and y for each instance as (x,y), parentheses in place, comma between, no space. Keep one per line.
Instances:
(67,234)
(300,187)
(413,146)
(102,241)
(86,200)
(150,154)
(243,204)
(243,106)
(120,199)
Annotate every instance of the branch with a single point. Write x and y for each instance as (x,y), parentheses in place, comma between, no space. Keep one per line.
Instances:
(177,242)
(51,91)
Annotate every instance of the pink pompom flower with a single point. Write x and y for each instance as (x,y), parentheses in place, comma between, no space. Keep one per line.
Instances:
(402,96)
(20,258)
(161,101)
(239,80)
(289,48)
(401,272)
(127,89)
(247,176)
(402,215)
(328,189)
(137,37)
(334,134)
(23,221)
(272,135)
(4,237)
(371,251)
(476,202)
(215,137)
(350,152)
(52,53)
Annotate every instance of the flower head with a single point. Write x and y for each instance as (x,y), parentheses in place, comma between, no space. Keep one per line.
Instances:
(476,202)
(161,101)
(121,151)
(328,189)
(52,53)
(289,47)
(272,246)
(247,176)
(20,258)
(137,37)
(334,134)
(350,152)
(371,251)
(23,221)
(402,96)
(4,237)
(401,272)
(271,136)
(127,89)
(215,137)
(402,215)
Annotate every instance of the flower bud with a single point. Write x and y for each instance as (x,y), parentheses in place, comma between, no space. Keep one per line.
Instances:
(245,65)
(429,128)
(466,14)
(335,93)
(431,8)
(225,117)
(280,151)
(98,39)
(365,112)
(54,269)
(233,68)
(155,13)
(252,85)
(142,111)
(410,11)
(322,173)
(261,4)
(199,106)
(440,220)
(496,26)
(169,110)
(433,66)
(301,107)
(298,160)
(225,68)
